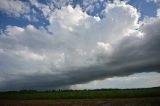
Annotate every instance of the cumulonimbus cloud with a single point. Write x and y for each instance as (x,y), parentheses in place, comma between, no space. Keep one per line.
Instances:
(76,48)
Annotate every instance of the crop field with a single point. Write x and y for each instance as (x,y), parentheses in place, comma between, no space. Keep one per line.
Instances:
(102,97)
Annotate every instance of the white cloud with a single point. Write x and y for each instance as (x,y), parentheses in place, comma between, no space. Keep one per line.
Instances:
(78,48)
(67,18)
(158,13)
(51,5)
(60,3)
(45,9)
(14,7)
(156,1)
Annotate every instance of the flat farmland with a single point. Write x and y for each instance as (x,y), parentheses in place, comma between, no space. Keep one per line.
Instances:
(102,97)
(84,102)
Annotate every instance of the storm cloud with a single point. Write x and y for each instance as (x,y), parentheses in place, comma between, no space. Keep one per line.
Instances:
(77,48)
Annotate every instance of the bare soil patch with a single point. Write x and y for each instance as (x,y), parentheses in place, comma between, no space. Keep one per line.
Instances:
(84,102)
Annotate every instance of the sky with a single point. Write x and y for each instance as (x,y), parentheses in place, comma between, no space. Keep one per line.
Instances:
(79,44)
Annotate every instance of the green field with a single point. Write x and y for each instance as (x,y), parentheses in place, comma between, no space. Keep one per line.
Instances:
(101,97)
(80,94)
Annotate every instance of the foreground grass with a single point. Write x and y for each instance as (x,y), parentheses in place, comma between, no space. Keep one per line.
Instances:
(81,94)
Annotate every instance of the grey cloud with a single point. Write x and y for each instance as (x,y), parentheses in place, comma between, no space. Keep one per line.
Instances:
(133,55)
(33,59)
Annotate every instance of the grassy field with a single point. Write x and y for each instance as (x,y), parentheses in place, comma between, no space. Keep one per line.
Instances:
(102,97)
(81,94)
